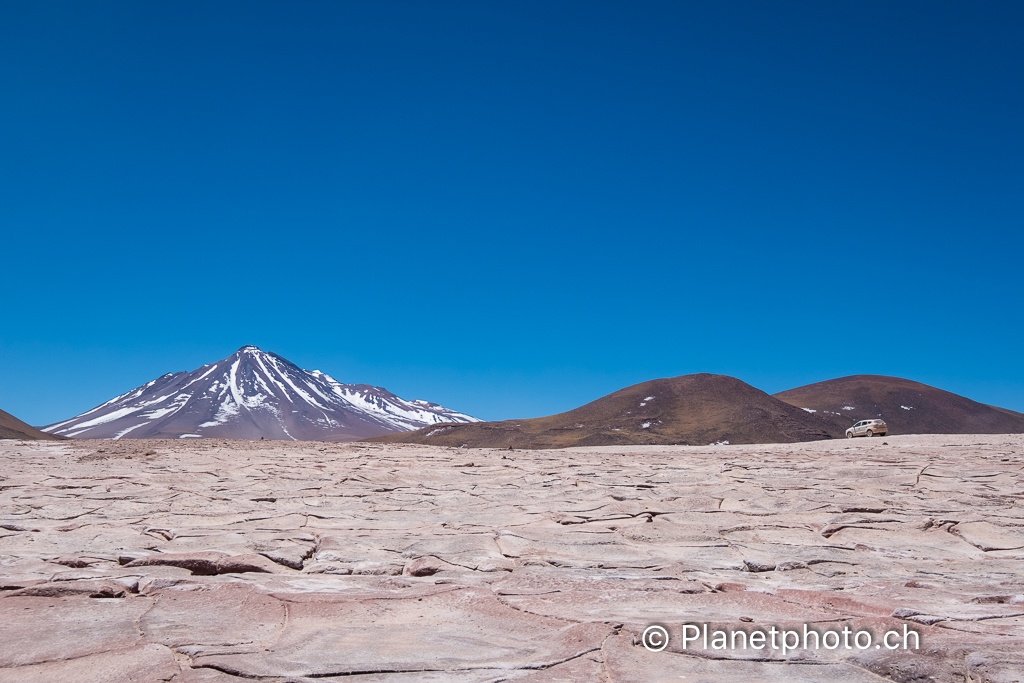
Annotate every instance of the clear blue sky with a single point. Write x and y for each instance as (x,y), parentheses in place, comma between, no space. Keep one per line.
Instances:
(511,208)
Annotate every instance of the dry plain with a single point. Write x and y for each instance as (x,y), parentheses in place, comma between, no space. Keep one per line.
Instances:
(225,561)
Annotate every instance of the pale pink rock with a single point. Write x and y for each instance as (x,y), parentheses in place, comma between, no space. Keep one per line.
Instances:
(400,564)
(150,663)
(423,566)
(987,536)
(36,629)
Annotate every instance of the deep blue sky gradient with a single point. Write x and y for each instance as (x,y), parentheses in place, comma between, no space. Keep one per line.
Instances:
(511,208)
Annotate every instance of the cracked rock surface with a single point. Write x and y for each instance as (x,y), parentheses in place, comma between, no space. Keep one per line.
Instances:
(218,561)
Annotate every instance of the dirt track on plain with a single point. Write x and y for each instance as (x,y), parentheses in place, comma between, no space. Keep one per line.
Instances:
(205,560)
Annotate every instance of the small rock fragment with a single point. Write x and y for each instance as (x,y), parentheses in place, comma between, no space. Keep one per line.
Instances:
(730,587)
(423,566)
(292,557)
(789,566)
(73,562)
(915,616)
(758,566)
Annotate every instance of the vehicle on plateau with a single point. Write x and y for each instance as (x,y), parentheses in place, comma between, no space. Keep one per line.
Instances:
(867,428)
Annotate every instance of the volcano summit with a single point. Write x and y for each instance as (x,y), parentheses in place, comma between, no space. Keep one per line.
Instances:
(254,394)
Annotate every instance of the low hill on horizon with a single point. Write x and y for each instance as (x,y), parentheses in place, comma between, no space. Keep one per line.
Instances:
(691,409)
(908,407)
(13,428)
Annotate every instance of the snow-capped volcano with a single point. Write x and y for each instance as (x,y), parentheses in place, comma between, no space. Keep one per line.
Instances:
(254,394)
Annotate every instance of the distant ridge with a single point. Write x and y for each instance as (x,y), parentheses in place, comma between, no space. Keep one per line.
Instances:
(691,409)
(13,428)
(907,407)
(253,394)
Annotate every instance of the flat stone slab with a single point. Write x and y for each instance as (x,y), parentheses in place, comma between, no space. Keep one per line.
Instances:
(210,561)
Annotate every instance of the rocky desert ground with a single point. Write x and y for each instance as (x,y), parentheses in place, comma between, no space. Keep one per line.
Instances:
(223,561)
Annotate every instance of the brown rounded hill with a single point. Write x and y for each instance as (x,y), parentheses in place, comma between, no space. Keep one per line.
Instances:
(691,409)
(13,428)
(907,407)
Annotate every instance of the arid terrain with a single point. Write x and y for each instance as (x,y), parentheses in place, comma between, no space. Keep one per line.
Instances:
(701,409)
(908,407)
(219,561)
(689,409)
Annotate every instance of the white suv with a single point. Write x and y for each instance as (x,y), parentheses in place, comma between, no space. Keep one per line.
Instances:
(867,428)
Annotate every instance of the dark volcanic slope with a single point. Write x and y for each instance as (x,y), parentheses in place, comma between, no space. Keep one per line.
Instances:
(907,407)
(13,428)
(692,409)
